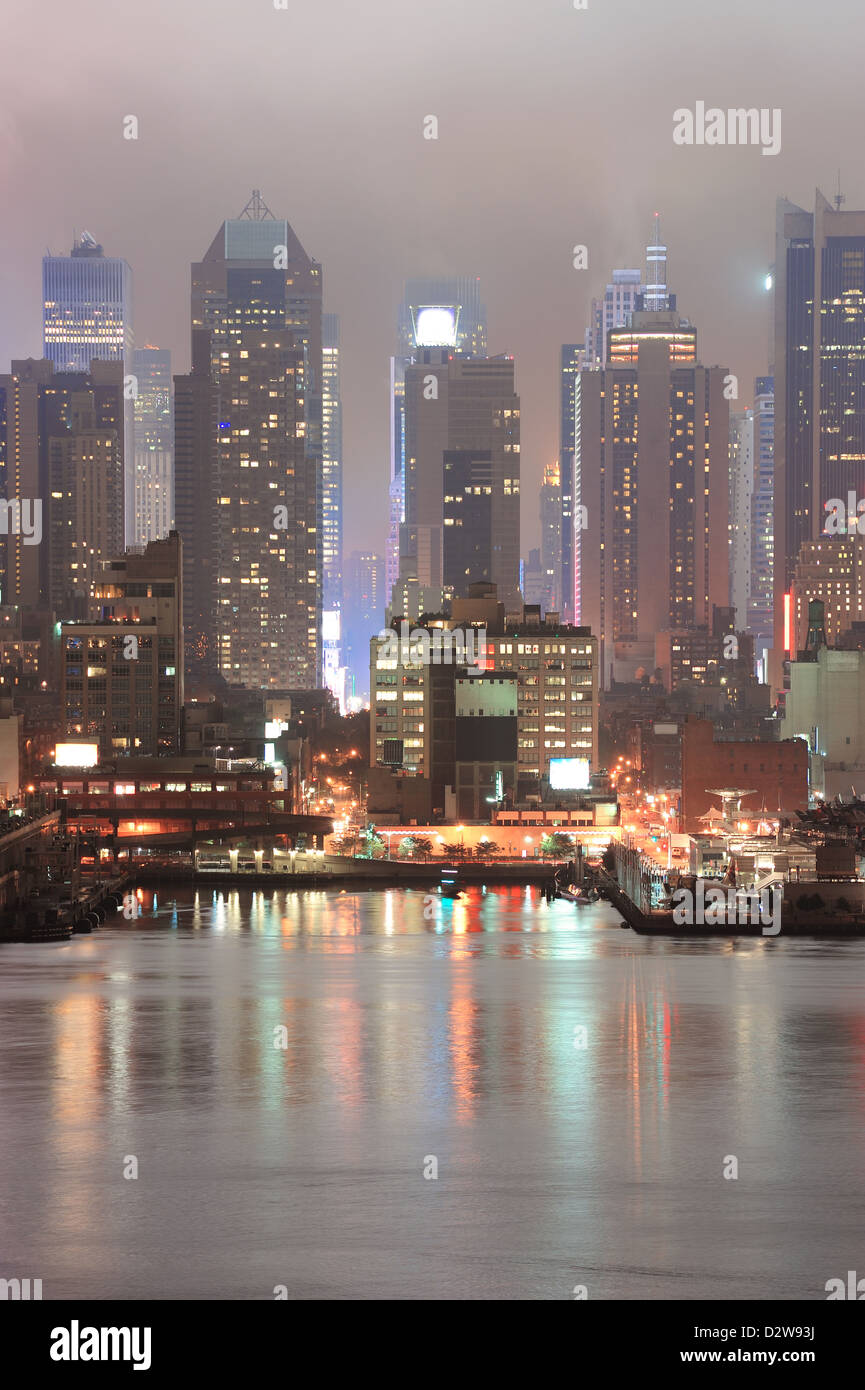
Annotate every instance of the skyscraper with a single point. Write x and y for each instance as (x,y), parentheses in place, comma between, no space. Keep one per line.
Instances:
(364,614)
(623,295)
(571,364)
(331,437)
(652,491)
(550,509)
(433,311)
(257,294)
(154,445)
(87,307)
(467,408)
(61,446)
(762,517)
(333,672)
(819,325)
(741,490)
(196,428)
(87,316)
(613,311)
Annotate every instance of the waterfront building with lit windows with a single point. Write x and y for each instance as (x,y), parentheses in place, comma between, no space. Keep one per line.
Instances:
(554,665)
(121,676)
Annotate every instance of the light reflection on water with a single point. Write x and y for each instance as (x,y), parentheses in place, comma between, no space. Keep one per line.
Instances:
(417,1027)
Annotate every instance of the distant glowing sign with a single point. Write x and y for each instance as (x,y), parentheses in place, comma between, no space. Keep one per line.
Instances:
(76,755)
(788,623)
(569,774)
(330,625)
(435,325)
(273,728)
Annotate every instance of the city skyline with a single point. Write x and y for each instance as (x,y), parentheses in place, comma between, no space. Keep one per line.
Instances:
(716,205)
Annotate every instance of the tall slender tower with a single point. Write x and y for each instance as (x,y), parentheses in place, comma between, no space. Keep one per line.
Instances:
(333,673)
(257,297)
(656,295)
(154,469)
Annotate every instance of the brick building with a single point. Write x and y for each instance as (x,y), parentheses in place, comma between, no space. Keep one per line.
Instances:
(778,772)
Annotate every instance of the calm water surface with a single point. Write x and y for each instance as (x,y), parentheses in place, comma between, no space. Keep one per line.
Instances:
(411,1044)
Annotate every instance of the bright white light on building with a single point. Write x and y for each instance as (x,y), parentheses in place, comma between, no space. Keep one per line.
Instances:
(569,774)
(435,326)
(76,755)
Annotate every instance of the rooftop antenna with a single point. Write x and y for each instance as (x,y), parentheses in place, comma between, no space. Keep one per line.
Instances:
(256,209)
(839,196)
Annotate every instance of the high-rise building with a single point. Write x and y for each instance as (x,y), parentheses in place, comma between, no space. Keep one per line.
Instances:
(652,491)
(621,298)
(87,316)
(550,507)
(333,669)
(196,427)
(741,491)
(466,408)
(364,614)
(331,437)
(533,581)
(571,364)
(762,517)
(624,295)
(61,451)
(122,667)
(830,571)
(154,444)
(819,330)
(433,312)
(257,294)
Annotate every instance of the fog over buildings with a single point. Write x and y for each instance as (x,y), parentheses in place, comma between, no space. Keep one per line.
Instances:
(322,106)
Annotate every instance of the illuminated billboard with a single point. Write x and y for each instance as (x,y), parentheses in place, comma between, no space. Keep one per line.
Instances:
(435,325)
(569,774)
(76,755)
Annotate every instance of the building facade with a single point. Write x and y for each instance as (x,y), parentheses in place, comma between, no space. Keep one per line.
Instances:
(819,330)
(257,297)
(154,445)
(87,317)
(464,408)
(122,668)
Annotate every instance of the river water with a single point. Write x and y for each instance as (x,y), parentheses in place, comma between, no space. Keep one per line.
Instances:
(370,1094)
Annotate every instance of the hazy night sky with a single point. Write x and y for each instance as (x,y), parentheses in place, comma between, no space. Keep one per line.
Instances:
(555,128)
